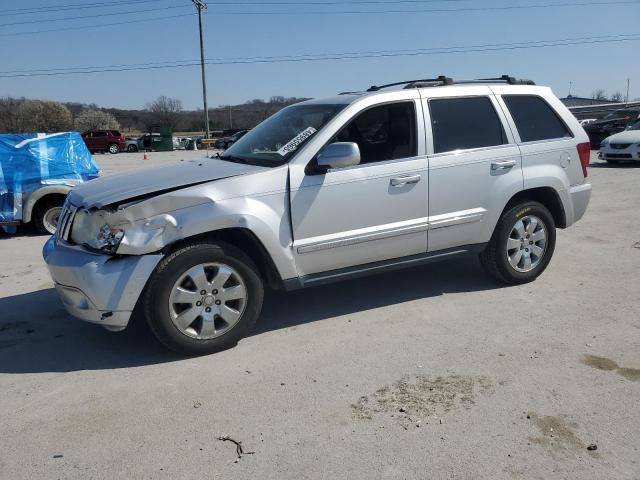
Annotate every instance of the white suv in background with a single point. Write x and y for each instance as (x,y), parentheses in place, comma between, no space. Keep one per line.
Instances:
(322,191)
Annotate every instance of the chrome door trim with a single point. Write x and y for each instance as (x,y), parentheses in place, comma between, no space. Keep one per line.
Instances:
(457,218)
(354,239)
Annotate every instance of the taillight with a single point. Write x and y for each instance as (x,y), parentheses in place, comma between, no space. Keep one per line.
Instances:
(584,152)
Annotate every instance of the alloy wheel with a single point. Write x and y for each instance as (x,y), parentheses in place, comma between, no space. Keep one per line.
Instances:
(207,300)
(527,243)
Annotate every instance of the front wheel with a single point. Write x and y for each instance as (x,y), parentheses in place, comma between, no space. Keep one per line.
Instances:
(132,148)
(203,298)
(46,215)
(522,244)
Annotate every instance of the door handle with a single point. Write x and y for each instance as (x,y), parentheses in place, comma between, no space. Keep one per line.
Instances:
(398,181)
(503,165)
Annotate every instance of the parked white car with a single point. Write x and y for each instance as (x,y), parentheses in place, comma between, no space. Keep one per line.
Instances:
(323,191)
(623,146)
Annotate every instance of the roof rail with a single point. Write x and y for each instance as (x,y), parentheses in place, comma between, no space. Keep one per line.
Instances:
(443,80)
(501,79)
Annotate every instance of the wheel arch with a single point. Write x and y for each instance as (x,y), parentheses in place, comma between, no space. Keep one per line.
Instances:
(41,195)
(243,239)
(547,196)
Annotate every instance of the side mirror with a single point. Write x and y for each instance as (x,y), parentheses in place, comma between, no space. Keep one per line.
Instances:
(339,155)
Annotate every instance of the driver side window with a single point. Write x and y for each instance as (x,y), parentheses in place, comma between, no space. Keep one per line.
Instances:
(386,132)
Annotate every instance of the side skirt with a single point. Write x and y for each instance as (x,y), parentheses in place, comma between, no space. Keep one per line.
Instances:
(378,267)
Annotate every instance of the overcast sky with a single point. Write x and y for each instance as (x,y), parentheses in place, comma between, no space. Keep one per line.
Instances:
(131,39)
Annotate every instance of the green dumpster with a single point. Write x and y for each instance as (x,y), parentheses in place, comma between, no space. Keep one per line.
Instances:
(158,139)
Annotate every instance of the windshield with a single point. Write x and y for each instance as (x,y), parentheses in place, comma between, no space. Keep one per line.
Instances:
(278,137)
(635,126)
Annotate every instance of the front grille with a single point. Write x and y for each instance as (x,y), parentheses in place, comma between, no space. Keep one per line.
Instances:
(618,155)
(65,221)
(620,146)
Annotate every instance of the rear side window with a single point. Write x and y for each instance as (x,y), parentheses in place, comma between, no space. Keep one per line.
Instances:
(535,119)
(464,123)
(115,133)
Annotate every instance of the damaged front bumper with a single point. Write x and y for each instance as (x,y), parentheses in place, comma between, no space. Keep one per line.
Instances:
(98,288)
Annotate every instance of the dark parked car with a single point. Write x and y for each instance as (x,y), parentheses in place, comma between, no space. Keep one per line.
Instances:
(612,123)
(111,141)
(225,142)
(133,144)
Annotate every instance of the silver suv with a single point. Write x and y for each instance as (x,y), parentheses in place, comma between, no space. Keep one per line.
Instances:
(322,191)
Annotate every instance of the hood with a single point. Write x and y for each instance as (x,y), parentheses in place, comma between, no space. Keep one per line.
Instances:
(116,188)
(628,136)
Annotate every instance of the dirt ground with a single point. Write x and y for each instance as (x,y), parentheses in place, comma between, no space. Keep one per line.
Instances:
(434,372)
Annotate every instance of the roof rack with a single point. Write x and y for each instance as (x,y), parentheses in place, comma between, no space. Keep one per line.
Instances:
(443,80)
(501,79)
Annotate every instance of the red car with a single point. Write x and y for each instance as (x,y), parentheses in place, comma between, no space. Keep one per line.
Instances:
(111,141)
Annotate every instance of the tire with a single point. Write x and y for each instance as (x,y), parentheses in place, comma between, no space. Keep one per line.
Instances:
(186,327)
(500,257)
(132,148)
(46,214)
(113,148)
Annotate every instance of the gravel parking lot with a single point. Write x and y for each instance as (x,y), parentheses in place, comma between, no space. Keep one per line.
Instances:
(434,372)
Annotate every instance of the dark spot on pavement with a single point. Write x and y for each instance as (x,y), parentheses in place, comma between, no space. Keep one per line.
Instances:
(422,396)
(632,374)
(556,433)
(602,363)
(595,240)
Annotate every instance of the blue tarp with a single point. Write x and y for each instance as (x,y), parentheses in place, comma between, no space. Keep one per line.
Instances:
(29,161)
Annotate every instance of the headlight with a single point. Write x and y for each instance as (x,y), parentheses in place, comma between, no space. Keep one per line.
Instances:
(95,231)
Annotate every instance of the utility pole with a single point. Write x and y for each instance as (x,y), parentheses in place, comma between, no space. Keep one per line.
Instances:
(627,97)
(200,5)
(230,119)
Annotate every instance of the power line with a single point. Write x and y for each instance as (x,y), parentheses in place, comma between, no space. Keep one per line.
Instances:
(189,62)
(351,55)
(313,12)
(435,10)
(63,19)
(85,27)
(73,6)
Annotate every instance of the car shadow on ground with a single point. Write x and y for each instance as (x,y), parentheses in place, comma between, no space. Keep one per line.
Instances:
(37,335)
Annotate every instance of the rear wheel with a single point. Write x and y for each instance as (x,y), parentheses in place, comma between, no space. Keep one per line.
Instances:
(132,148)
(203,298)
(522,244)
(113,149)
(46,215)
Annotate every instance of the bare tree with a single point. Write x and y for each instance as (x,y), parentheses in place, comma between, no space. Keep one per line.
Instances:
(9,118)
(43,116)
(617,97)
(95,120)
(599,94)
(167,111)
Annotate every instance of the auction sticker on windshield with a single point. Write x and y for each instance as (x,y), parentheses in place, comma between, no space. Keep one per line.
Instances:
(296,141)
